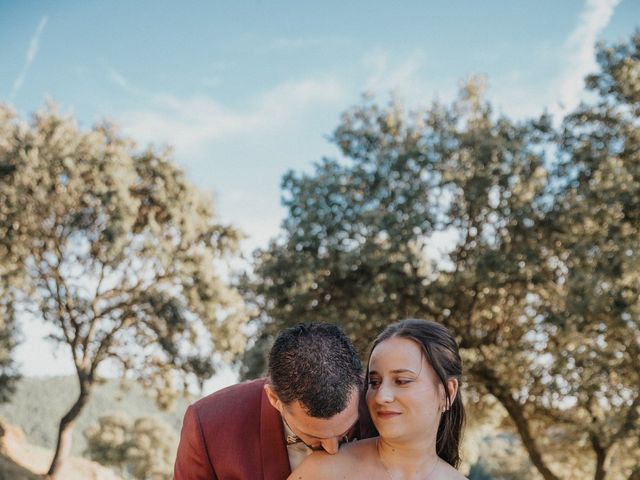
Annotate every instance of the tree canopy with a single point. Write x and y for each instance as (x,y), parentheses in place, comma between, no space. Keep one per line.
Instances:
(115,248)
(8,330)
(522,238)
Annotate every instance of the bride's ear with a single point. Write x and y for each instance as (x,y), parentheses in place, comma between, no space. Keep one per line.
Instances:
(452,387)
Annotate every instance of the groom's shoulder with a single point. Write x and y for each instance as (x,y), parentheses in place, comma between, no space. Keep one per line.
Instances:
(218,424)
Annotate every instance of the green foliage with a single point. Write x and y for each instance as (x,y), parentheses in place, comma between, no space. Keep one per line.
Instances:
(108,440)
(116,249)
(8,371)
(539,276)
(142,449)
(593,318)
(8,331)
(36,417)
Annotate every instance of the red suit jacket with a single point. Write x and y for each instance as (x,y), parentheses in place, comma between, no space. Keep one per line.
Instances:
(235,434)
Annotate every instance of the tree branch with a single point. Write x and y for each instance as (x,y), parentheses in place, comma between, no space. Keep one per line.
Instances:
(516,413)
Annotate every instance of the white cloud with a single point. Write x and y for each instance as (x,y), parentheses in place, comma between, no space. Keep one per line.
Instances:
(126,85)
(119,80)
(259,228)
(521,96)
(35,40)
(518,96)
(190,124)
(515,93)
(403,77)
(578,53)
(197,125)
(387,76)
(32,51)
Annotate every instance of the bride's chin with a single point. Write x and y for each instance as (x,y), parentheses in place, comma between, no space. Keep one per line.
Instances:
(389,432)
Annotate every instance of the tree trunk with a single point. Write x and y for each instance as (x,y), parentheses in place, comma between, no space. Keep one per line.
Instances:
(65,430)
(522,425)
(601,456)
(513,408)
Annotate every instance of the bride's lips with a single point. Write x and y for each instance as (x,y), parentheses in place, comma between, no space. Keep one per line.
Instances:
(385,414)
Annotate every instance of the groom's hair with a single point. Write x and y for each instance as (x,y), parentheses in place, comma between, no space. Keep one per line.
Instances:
(316,365)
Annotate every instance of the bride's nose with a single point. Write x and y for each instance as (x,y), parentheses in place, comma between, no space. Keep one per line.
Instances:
(384,394)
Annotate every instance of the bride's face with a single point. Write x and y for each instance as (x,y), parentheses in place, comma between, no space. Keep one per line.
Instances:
(405,396)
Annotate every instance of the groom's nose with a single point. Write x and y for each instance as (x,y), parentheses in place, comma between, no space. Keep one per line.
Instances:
(330,445)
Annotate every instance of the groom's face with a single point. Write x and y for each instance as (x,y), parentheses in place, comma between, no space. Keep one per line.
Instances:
(318,433)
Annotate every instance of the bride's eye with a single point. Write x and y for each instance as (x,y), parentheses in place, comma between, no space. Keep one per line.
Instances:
(403,381)
(374,382)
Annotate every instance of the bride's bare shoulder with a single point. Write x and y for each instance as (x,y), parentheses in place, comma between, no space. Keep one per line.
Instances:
(361,448)
(321,465)
(447,472)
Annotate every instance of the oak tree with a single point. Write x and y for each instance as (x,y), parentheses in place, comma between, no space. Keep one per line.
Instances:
(522,238)
(115,248)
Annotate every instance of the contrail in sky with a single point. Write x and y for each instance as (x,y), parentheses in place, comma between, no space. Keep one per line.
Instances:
(30,56)
(579,50)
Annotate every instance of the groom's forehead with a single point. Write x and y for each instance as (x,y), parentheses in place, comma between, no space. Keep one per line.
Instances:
(327,437)
(322,428)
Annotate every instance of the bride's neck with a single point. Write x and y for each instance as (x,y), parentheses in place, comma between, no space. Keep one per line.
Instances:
(409,457)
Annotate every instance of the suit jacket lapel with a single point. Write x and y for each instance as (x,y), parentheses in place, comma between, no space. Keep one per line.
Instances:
(275,460)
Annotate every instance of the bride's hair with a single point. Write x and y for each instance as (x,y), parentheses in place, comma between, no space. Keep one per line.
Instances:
(441,351)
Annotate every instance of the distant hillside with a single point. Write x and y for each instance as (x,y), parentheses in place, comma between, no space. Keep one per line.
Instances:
(20,460)
(39,403)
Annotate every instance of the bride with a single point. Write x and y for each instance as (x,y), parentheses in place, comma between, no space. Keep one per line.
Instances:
(413,397)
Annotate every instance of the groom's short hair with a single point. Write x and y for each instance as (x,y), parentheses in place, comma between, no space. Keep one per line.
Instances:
(316,365)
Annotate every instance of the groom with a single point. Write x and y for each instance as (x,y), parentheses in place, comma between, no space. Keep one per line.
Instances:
(264,428)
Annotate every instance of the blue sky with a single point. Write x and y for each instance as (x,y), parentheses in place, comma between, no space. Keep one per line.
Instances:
(246,90)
